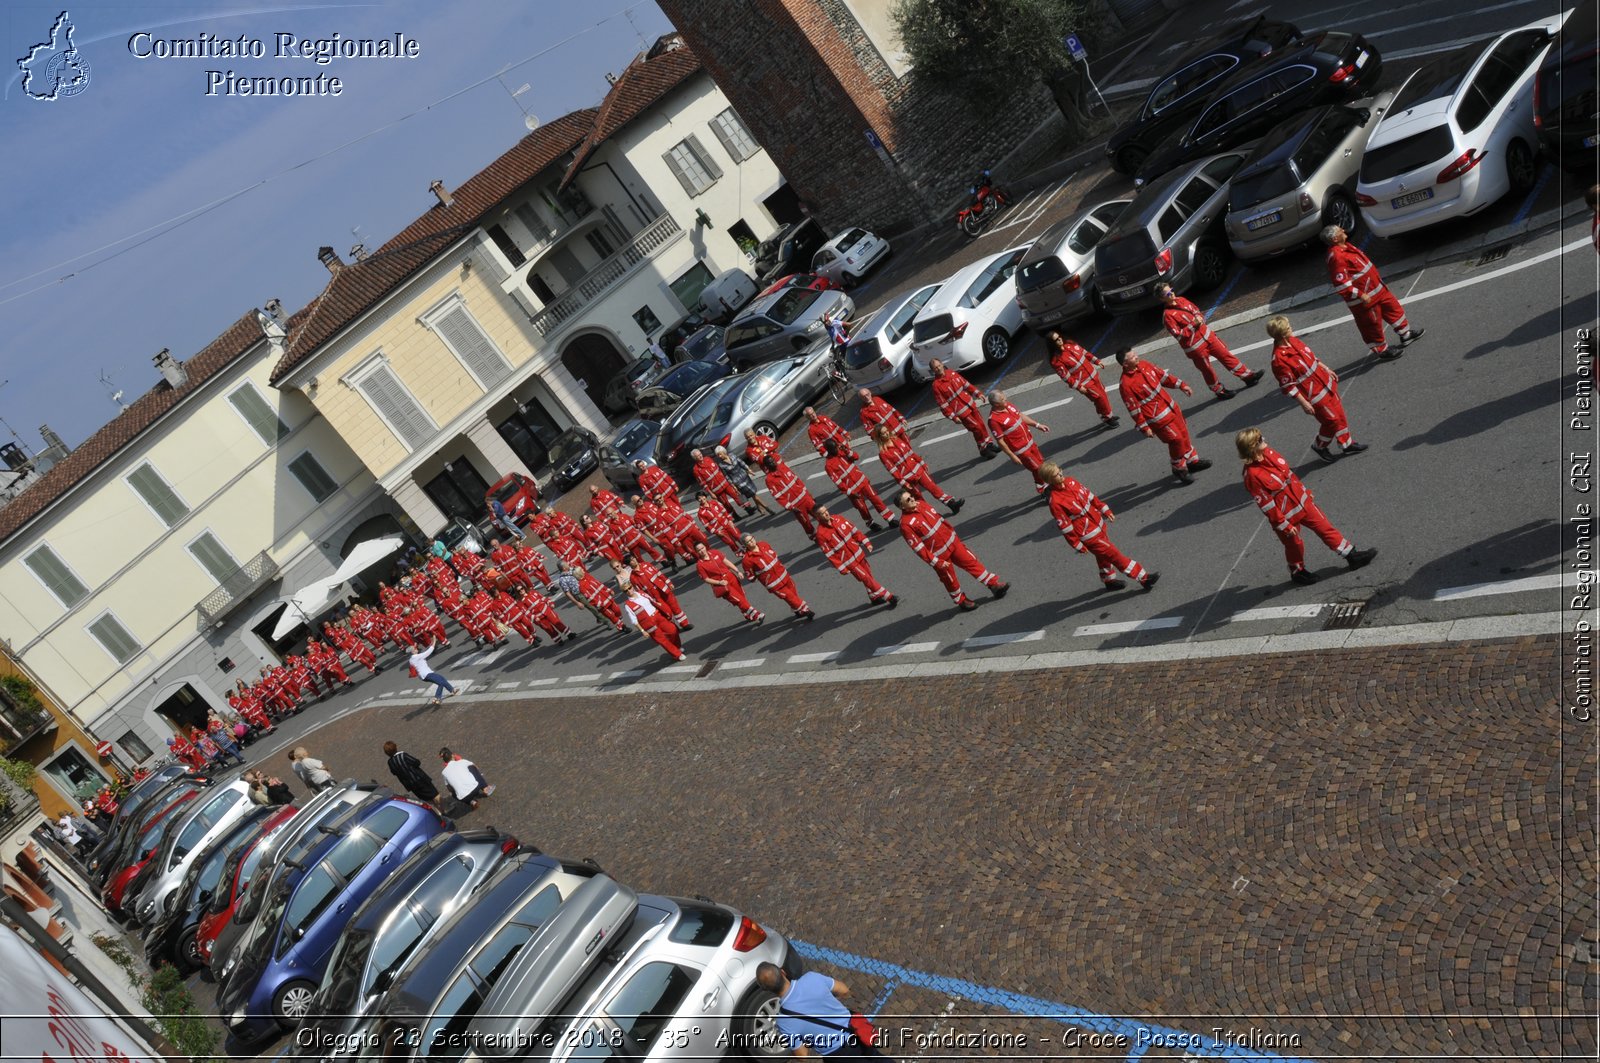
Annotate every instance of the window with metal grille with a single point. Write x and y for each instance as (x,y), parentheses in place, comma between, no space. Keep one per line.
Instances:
(690,164)
(157,494)
(736,139)
(467,340)
(397,406)
(313,477)
(258,414)
(57,578)
(114,638)
(213,557)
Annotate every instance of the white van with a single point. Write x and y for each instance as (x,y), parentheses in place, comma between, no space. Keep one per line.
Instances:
(726,295)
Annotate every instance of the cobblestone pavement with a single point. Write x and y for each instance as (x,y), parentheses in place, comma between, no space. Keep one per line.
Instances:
(1382,852)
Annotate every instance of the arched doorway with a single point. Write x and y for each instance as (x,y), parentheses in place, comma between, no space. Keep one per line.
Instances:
(593,359)
(184,708)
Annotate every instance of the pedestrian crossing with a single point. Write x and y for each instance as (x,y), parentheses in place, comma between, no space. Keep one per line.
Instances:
(1555,581)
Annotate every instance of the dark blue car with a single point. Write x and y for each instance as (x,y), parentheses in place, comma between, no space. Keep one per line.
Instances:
(286,953)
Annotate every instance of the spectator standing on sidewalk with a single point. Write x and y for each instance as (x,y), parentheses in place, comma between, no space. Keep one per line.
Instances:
(312,771)
(467,784)
(408,769)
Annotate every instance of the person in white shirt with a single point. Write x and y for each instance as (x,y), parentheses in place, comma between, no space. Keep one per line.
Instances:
(420,669)
(465,781)
(67,831)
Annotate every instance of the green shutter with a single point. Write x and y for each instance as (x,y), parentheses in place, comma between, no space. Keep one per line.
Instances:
(313,477)
(56,576)
(261,418)
(157,494)
(109,632)
(214,557)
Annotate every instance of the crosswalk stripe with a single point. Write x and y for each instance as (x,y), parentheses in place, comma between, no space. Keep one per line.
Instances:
(631,673)
(1278,612)
(1153,624)
(978,642)
(491,658)
(1553,582)
(587,677)
(507,686)
(905,647)
(547,681)
(814,658)
(754,663)
(679,669)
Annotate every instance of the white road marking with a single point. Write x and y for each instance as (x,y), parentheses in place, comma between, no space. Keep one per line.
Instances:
(753,663)
(964,434)
(587,677)
(1278,612)
(1552,582)
(1123,628)
(814,658)
(631,673)
(390,694)
(906,647)
(545,682)
(491,658)
(978,642)
(679,669)
(507,686)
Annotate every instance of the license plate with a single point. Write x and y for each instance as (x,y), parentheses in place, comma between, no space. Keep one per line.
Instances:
(1361,60)
(1131,293)
(1414,197)
(1265,220)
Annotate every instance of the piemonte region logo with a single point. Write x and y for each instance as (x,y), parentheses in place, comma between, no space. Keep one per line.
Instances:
(55,69)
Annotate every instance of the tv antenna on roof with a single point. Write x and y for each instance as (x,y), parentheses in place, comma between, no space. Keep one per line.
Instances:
(529,119)
(111,390)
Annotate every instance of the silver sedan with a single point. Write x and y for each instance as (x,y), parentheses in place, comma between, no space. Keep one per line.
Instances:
(766,399)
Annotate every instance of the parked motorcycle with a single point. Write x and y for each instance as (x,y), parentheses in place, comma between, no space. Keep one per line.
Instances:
(988,199)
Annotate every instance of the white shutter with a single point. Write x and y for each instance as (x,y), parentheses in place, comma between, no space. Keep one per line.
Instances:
(396,405)
(463,335)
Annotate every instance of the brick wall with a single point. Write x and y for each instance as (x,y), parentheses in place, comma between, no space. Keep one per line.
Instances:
(808,83)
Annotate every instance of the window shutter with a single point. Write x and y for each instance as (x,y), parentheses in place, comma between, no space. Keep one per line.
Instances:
(313,477)
(391,399)
(56,576)
(706,161)
(158,494)
(680,170)
(736,140)
(261,417)
(466,338)
(109,632)
(213,557)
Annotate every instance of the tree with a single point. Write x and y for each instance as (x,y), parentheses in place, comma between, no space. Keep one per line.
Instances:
(990,52)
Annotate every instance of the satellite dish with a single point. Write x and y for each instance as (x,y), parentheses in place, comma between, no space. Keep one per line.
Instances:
(531,121)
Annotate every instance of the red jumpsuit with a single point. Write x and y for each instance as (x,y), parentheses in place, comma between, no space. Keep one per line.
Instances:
(761,563)
(1081,516)
(658,522)
(657,485)
(358,651)
(757,452)
(718,521)
(958,400)
(508,559)
(427,627)
(570,550)
(1354,277)
(1080,369)
(600,597)
(1287,505)
(825,428)
(643,614)
(468,564)
(631,537)
(1144,393)
(605,503)
(849,478)
(714,566)
(603,540)
(685,533)
(709,475)
(1013,432)
(185,751)
(875,412)
(480,622)
(655,583)
(791,493)
(846,548)
(543,612)
(907,467)
(511,612)
(1186,324)
(324,662)
(933,539)
(533,564)
(1301,374)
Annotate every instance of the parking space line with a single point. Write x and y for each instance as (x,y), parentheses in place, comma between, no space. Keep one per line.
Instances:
(978,642)
(814,658)
(631,673)
(882,998)
(1155,623)
(905,647)
(545,682)
(755,662)
(1278,612)
(1533,194)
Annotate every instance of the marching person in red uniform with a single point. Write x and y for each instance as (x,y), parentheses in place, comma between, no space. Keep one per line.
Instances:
(685,532)
(533,564)
(758,447)
(908,468)
(790,492)
(1371,302)
(508,559)
(481,623)
(654,583)
(469,564)
(1144,392)
(603,502)
(1186,324)
(709,475)
(716,519)
(602,540)
(657,523)
(850,480)
(550,523)
(516,616)
(1288,505)
(933,539)
(958,400)
(657,485)
(426,627)
(632,538)
(645,615)
(1305,379)
(600,596)
(1081,371)
(846,547)
(1011,427)
(543,612)
(1082,518)
(719,575)
(822,429)
(185,751)
(570,550)
(875,412)
(354,648)
(761,563)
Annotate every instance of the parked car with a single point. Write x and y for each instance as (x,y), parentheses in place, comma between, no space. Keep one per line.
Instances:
(849,257)
(1055,280)
(767,400)
(634,441)
(1458,136)
(573,456)
(789,250)
(725,296)
(132,810)
(139,848)
(778,325)
(1173,232)
(211,915)
(815,281)
(517,493)
(670,337)
(972,317)
(1300,177)
(171,938)
(279,965)
(622,390)
(1176,97)
(1322,68)
(679,431)
(878,355)
(667,394)
(461,533)
(705,344)
(1564,91)
(207,820)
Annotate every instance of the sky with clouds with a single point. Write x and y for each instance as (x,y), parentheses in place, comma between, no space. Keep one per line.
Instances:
(106,255)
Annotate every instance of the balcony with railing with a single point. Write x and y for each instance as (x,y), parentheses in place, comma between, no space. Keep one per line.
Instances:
(659,234)
(19,722)
(237,588)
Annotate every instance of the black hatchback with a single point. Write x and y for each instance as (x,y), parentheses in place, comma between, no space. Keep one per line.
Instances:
(1564,92)
(1176,97)
(1322,68)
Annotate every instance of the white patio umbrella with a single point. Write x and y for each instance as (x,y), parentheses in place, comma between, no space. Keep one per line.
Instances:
(367,554)
(309,602)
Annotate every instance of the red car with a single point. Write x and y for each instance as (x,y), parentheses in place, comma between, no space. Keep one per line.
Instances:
(517,493)
(146,846)
(814,281)
(231,885)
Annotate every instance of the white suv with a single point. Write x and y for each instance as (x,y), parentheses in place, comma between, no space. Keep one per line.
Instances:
(972,317)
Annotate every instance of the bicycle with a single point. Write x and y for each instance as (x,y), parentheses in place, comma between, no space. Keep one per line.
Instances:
(838,383)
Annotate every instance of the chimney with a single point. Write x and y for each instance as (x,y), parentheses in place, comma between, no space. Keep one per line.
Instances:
(611,79)
(443,193)
(52,442)
(171,369)
(330,258)
(274,309)
(359,252)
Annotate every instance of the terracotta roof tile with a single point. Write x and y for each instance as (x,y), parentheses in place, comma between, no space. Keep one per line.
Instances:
(638,87)
(360,285)
(240,337)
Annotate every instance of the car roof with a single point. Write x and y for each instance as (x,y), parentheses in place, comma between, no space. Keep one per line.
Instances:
(955,286)
(759,305)
(1283,140)
(420,866)
(1153,196)
(1047,243)
(1293,55)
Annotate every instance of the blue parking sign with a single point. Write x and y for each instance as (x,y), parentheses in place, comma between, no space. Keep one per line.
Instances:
(1075,47)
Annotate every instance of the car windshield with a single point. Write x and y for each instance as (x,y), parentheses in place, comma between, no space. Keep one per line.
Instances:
(703,344)
(1389,161)
(767,253)
(861,354)
(1248,189)
(633,437)
(265,927)
(688,418)
(1034,275)
(793,303)
(504,494)
(566,447)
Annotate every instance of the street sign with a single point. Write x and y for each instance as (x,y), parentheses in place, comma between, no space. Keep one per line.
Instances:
(1075,47)
(872,138)
(103,748)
